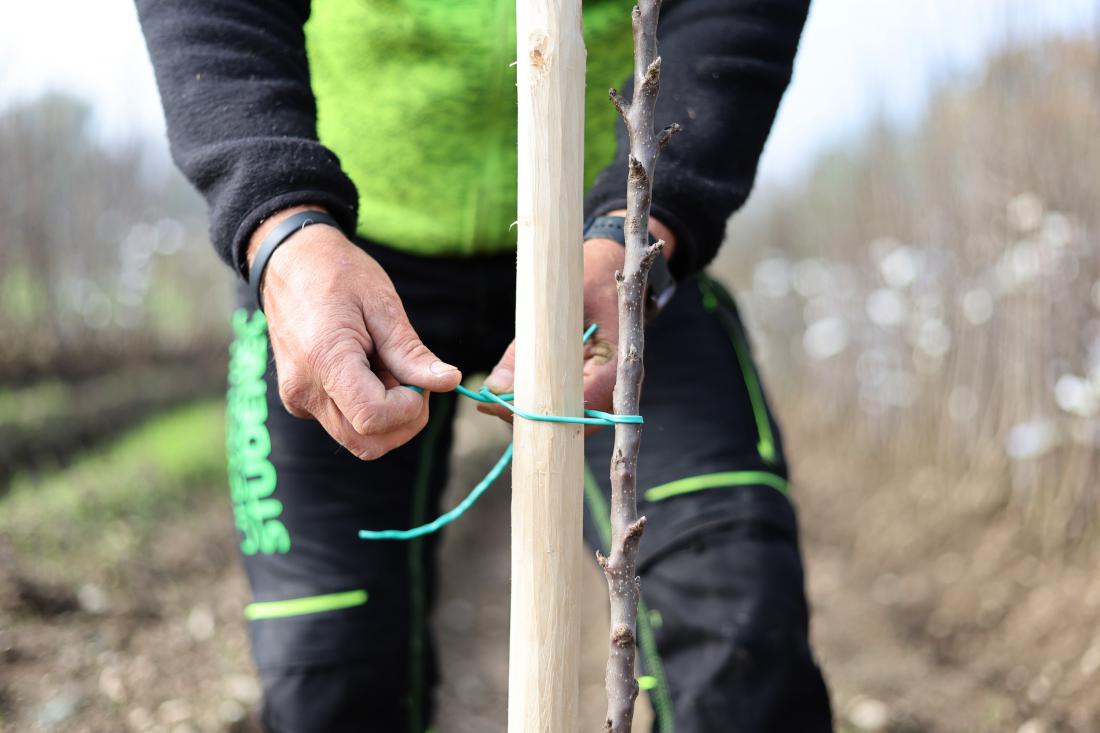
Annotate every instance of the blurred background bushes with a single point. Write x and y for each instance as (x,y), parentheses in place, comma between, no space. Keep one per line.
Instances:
(931,296)
(113,305)
(104,260)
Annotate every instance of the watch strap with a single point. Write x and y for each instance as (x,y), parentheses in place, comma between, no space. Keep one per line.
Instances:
(278,235)
(660,283)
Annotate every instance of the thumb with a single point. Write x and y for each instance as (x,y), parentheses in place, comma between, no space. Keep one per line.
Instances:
(503,377)
(408,359)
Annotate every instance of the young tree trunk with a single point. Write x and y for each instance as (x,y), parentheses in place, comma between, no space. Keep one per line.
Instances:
(626,526)
(548,468)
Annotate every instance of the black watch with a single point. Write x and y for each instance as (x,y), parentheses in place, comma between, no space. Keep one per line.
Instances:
(660,285)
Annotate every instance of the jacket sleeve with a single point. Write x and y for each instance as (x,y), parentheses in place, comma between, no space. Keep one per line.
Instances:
(235,86)
(725,65)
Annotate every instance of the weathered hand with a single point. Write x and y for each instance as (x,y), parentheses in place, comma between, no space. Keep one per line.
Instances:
(343,345)
(602,258)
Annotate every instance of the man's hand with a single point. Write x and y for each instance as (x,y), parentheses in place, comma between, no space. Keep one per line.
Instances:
(602,258)
(343,345)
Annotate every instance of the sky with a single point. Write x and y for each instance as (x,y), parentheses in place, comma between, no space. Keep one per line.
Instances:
(858,59)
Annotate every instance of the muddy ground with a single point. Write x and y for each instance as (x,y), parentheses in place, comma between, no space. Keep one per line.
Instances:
(929,616)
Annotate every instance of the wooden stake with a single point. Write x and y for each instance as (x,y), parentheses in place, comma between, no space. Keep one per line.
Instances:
(547,471)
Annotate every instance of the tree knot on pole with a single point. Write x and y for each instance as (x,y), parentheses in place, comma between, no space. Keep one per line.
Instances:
(539,53)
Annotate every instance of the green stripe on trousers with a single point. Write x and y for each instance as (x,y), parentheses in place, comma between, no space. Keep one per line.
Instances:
(305,605)
(720,480)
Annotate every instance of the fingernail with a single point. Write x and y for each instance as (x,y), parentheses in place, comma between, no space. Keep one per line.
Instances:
(501,379)
(441,367)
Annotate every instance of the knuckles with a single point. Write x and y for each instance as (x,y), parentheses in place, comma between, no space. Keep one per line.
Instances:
(383,305)
(317,360)
(371,453)
(296,394)
(405,346)
(324,354)
(364,420)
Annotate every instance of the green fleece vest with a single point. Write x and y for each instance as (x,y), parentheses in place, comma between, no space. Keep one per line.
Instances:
(418,99)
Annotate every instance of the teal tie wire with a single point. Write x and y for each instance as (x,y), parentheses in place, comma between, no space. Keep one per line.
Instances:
(590,417)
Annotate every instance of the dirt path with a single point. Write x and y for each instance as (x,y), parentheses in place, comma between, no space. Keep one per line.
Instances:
(945,630)
(883,673)
(156,644)
(942,613)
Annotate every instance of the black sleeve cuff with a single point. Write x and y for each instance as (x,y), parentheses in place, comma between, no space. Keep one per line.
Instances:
(344,214)
(689,257)
(249,180)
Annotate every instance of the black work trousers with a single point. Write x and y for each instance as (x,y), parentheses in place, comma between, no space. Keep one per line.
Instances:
(339,625)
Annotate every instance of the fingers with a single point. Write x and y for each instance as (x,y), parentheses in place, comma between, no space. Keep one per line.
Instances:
(369,447)
(368,413)
(346,378)
(410,361)
(503,377)
(501,380)
(342,356)
(599,380)
(599,387)
(396,415)
(496,410)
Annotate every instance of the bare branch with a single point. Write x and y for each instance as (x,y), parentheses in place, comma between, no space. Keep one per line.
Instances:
(652,252)
(620,104)
(636,175)
(666,135)
(620,567)
(651,82)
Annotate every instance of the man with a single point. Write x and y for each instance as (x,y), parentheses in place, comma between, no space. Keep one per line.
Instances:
(397,119)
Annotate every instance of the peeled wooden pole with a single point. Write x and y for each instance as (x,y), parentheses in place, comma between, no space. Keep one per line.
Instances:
(547,471)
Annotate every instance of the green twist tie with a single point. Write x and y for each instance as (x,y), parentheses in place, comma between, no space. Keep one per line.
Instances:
(591,417)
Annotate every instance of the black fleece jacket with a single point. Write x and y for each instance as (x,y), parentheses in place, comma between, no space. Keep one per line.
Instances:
(235,85)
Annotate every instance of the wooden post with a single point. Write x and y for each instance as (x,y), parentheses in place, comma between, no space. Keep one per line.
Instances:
(547,471)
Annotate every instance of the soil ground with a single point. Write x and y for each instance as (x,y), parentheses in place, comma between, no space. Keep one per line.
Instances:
(928,617)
